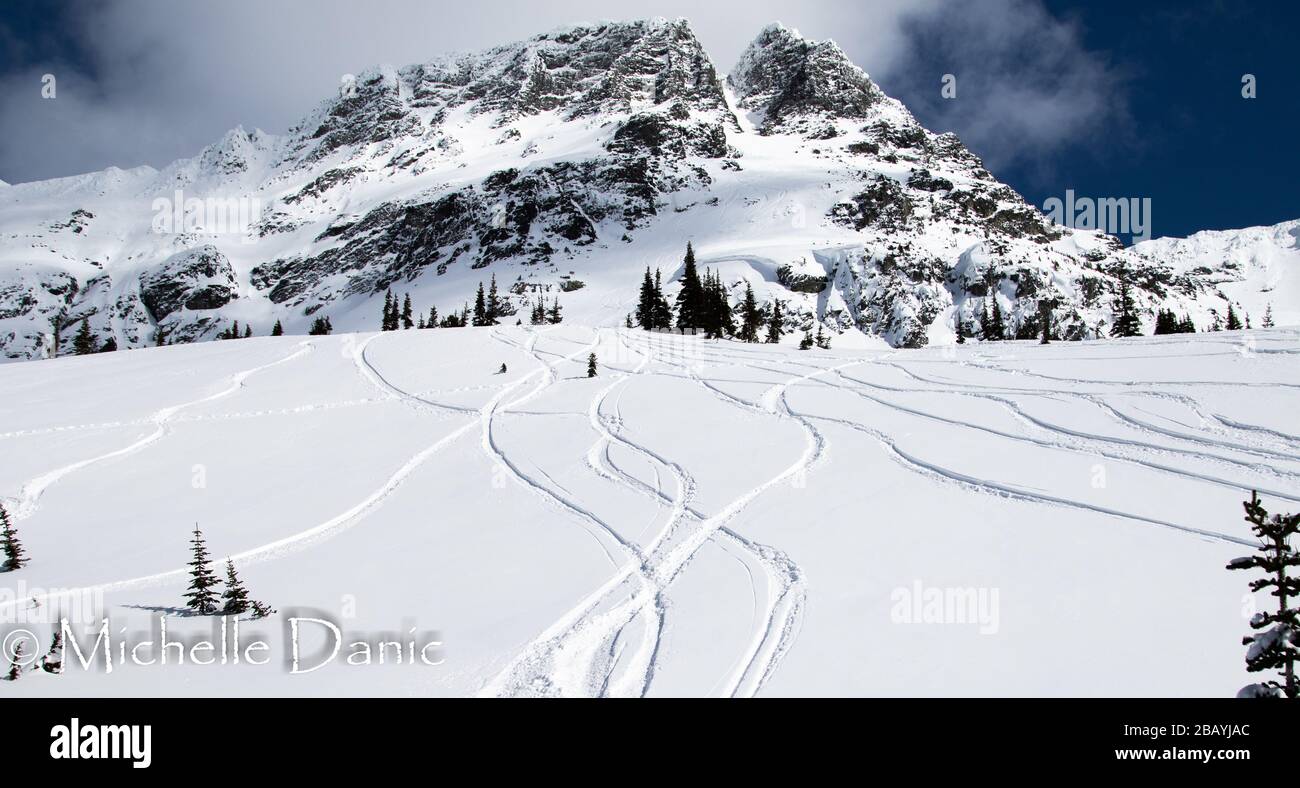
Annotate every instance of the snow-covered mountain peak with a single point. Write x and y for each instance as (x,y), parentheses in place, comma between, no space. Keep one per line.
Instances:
(783,77)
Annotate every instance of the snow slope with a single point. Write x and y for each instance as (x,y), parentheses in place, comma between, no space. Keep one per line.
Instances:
(701,518)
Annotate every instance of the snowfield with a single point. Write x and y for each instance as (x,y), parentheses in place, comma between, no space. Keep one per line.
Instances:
(701,518)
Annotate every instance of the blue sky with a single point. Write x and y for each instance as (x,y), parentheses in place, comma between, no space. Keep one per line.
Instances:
(1108,99)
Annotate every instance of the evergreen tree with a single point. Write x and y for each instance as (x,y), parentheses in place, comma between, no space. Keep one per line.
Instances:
(1167,322)
(15,663)
(52,662)
(248,330)
(719,322)
(1187,326)
(84,343)
(997,326)
(1234,322)
(493,308)
(432,322)
(663,314)
(750,317)
(645,304)
(408,314)
(235,596)
(775,324)
(1276,642)
(627,323)
(277,330)
(201,596)
(1045,316)
(1268,317)
(109,346)
(321,327)
(823,341)
(807,342)
(554,316)
(14,554)
(389,322)
(539,313)
(159,336)
(480,307)
(261,609)
(690,301)
(1127,323)
(591,365)
(960,326)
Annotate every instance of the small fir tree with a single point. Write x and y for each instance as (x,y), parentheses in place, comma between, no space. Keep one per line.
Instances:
(15,557)
(591,365)
(201,597)
(235,596)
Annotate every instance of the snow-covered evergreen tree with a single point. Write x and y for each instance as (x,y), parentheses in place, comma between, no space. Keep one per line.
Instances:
(1276,642)
(15,663)
(52,662)
(591,365)
(15,557)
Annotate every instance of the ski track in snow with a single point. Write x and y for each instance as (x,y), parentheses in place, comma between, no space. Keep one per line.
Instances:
(586,652)
(30,495)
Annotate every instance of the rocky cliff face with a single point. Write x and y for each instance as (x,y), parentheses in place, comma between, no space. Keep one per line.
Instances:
(582,155)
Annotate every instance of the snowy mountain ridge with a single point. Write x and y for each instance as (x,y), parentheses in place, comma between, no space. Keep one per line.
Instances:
(566,164)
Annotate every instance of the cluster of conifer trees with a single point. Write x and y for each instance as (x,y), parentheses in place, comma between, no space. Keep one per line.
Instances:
(488,310)
(202,594)
(1169,323)
(703,306)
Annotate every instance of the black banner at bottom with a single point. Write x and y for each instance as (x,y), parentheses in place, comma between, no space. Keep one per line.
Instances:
(176,736)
